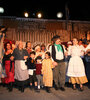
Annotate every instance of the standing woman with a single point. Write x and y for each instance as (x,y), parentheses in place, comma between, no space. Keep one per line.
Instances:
(76,70)
(43,50)
(21,72)
(9,66)
(28,47)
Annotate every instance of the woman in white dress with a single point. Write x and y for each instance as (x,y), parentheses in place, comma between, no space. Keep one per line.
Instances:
(76,70)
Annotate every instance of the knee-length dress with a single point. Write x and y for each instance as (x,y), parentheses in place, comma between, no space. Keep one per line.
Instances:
(76,65)
(47,72)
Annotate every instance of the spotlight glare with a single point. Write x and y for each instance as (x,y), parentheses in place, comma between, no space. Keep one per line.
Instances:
(39,15)
(1,10)
(59,15)
(26,14)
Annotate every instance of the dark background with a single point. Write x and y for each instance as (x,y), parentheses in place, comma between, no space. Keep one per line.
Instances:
(78,9)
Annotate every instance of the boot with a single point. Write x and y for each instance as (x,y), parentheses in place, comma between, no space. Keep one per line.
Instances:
(31,87)
(48,89)
(56,88)
(10,88)
(22,89)
(36,89)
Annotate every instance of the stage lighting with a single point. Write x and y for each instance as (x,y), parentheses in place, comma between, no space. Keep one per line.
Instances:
(26,14)
(59,15)
(1,10)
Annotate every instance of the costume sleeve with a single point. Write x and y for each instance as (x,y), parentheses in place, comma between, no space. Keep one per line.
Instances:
(64,48)
(28,63)
(42,71)
(26,53)
(50,50)
(14,53)
(52,65)
(69,50)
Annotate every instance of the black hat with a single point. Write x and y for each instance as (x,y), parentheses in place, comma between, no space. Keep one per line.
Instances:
(55,38)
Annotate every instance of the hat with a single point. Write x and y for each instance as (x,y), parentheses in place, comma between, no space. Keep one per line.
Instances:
(37,47)
(69,42)
(56,37)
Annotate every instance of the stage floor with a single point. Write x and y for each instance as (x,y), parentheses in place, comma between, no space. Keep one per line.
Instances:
(69,94)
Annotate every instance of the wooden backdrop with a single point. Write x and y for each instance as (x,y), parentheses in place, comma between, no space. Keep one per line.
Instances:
(42,30)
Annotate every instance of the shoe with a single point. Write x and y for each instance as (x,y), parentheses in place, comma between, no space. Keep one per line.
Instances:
(22,90)
(81,89)
(42,87)
(10,89)
(74,87)
(62,88)
(48,90)
(31,88)
(56,88)
(37,90)
(19,88)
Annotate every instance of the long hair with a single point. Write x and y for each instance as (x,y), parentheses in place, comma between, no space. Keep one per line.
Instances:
(6,46)
(27,43)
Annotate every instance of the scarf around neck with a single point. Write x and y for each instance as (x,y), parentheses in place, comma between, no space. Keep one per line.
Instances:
(59,48)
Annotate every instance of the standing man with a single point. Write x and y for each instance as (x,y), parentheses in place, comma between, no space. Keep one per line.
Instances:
(58,54)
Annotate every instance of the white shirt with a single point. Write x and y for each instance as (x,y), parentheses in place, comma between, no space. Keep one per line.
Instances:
(59,54)
(88,47)
(74,50)
(82,50)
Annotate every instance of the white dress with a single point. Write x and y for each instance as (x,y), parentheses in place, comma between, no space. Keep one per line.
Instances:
(76,66)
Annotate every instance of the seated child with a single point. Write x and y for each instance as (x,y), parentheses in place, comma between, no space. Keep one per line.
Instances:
(31,69)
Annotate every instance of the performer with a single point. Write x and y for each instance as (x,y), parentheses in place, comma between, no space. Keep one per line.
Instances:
(43,50)
(38,72)
(87,61)
(76,70)
(28,47)
(9,66)
(2,35)
(47,72)
(58,52)
(31,70)
(38,51)
(21,72)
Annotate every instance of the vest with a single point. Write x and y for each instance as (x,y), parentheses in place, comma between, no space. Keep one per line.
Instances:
(54,54)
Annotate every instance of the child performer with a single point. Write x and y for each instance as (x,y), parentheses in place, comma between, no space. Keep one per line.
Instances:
(31,69)
(47,72)
(38,72)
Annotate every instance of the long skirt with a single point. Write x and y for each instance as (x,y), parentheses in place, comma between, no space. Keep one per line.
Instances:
(9,68)
(48,78)
(78,80)
(76,67)
(21,76)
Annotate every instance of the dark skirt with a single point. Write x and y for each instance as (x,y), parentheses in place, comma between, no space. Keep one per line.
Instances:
(21,83)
